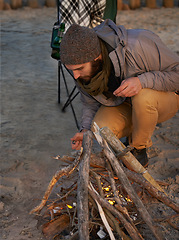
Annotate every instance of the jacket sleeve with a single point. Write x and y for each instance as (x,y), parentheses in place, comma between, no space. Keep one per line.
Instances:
(89,109)
(161,65)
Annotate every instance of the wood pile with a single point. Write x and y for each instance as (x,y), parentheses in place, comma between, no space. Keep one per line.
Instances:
(106,194)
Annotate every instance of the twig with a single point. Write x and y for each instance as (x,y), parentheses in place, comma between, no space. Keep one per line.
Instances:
(101,212)
(116,225)
(114,211)
(98,177)
(171,223)
(117,199)
(66,194)
(64,171)
(110,218)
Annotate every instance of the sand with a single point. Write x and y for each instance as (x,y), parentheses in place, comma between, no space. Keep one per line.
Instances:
(34,129)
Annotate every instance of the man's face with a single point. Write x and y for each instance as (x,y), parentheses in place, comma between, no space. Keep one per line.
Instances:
(84,72)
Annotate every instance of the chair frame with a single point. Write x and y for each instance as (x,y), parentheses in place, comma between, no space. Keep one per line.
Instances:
(70,95)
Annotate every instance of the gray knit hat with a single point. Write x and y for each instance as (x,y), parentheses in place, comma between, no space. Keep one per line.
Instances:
(79,45)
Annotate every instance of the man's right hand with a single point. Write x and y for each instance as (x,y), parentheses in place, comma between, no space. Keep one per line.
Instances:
(77,139)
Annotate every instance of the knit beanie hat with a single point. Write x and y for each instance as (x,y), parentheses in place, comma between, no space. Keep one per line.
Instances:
(79,45)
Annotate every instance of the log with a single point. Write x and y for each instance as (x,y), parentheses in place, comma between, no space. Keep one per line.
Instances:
(126,184)
(128,159)
(56,226)
(82,190)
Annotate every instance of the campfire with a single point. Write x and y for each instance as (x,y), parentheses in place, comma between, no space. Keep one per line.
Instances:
(99,198)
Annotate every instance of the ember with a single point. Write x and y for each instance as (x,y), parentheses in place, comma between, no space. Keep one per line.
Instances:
(100,202)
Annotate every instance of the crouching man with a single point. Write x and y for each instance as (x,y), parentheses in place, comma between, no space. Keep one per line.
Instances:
(128,80)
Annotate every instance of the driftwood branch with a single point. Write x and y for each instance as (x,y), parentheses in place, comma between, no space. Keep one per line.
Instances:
(82,190)
(62,172)
(128,159)
(116,213)
(102,214)
(151,189)
(118,201)
(115,225)
(127,185)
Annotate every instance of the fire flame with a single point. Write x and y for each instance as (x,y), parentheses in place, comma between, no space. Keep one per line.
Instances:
(69,206)
(107,189)
(111,202)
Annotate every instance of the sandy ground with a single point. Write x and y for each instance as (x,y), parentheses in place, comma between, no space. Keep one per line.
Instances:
(34,129)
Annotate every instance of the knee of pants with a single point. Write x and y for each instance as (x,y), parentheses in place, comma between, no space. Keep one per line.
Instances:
(143,99)
(162,105)
(117,119)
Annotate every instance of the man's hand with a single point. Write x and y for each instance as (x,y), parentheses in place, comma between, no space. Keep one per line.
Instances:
(128,88)
(77,139)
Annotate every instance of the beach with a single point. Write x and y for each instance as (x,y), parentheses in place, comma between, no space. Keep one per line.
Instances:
(34,129)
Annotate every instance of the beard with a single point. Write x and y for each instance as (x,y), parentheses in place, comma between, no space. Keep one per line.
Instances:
(96,67)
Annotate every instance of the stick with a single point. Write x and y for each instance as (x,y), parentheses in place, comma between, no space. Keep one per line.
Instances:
(82,190)
(101,212)
(122,209)
(151,189)
(113,210)
(127,185)
(96,161)
(115,223)
(64,171)
(110,218)
(129,160)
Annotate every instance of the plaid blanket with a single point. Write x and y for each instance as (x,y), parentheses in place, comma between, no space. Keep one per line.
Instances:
(87,13)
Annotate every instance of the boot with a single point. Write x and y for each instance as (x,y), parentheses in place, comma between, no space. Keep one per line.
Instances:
(141,156)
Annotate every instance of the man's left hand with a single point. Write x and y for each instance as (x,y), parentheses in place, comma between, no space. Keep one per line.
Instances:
(128,88)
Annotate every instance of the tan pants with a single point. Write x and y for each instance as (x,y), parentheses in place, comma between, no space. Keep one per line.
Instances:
(138,121)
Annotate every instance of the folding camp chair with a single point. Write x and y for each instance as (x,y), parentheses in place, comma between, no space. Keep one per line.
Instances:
(88,13)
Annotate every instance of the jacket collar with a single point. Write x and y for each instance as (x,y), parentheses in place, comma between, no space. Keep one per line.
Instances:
(115,38)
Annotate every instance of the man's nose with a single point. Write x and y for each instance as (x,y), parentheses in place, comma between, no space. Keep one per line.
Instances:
(76,74)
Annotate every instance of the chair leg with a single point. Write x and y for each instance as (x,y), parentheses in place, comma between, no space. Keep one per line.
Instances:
(59,67)
(69,100)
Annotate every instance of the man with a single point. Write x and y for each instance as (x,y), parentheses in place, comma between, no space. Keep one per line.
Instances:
(128,80)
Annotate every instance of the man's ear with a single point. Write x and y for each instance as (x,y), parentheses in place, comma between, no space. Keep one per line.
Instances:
(99,57)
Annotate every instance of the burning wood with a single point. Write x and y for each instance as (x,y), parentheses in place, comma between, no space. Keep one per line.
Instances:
(101,202)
